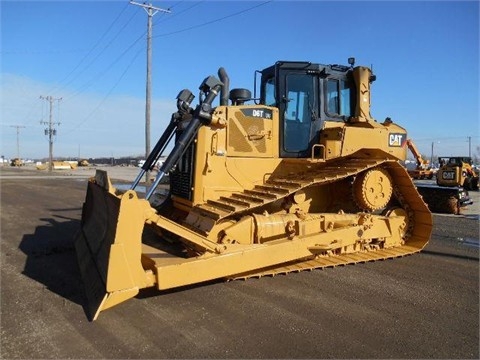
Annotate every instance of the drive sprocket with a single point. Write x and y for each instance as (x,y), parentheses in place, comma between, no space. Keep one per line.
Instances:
(372,189)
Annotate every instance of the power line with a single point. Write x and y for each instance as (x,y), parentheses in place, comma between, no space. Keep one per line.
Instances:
(52,131)
(94,47)
(100,74)
(108,94)
(444,138)
(213,21)
(32,109)
(163,19)
(117,59)
(114,85)
(90,51)
(39,52)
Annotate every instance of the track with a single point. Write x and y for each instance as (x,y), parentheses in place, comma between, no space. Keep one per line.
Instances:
(275,188)
(330,261)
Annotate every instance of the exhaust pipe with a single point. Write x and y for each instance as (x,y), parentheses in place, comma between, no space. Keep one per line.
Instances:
(222,74)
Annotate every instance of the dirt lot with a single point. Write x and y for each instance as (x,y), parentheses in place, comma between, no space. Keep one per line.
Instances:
(420,306)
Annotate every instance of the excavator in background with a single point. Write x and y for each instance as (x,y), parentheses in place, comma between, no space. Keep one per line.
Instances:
(423,170)
(457,171)
(300,178)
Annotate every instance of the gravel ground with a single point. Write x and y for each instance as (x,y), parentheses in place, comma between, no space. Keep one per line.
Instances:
(420,306)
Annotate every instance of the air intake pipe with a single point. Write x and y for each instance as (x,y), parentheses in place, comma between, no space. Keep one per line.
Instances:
(222,74)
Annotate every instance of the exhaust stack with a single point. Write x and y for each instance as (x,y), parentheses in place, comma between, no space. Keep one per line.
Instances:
(222,74)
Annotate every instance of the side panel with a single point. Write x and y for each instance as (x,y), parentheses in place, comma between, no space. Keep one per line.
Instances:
(252,131)
(236,157)
(348,139)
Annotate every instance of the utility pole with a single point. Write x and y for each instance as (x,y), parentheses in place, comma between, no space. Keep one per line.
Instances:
(18,138)
(431,157)
(469,146)
(50,131)
(151,11)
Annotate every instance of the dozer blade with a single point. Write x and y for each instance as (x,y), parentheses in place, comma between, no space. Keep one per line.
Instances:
(108,245)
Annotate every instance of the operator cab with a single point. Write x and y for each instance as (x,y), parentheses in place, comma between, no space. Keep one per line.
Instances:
(455,160)
(306,95)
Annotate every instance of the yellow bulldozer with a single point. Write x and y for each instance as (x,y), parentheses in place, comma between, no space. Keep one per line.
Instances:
(298,177)
(17,162)
(83,162)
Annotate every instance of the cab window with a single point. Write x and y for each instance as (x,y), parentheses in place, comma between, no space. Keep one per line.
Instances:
(339,96)
(269,92)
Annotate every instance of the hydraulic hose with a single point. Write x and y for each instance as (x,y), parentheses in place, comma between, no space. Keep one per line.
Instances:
(157,150)
(202,115)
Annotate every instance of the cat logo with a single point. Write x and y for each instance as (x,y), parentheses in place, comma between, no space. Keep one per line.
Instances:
(448,175)
(397,140)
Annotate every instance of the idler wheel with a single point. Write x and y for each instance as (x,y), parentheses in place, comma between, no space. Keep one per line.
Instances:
(372,189)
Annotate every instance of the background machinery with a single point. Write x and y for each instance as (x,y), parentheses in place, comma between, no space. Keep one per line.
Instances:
(448,197)
(58,165)
(447,200)
(17,162)
(423,169)
(83,162)
(302,178)
(457,171)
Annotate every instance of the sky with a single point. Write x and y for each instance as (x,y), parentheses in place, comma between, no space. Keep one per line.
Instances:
(89,57)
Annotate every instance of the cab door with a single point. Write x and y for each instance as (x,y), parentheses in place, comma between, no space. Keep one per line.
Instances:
(298,108)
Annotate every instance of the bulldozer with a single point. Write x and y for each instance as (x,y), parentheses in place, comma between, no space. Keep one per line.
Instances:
(297,177)
(457,171)
(83,162)
(17,162)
